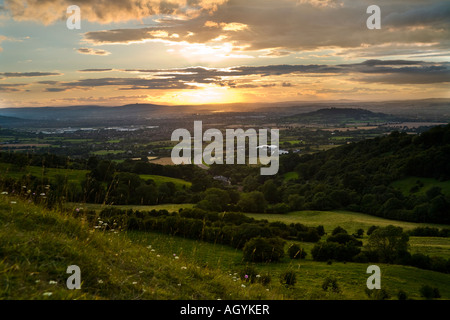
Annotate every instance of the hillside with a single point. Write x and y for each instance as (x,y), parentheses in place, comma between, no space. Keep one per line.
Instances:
(37,246)
(341,116)
(398,176)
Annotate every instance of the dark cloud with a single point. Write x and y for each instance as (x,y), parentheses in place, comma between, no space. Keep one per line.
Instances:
(95,70)
(28,74)
(55,89)
(381,71)
(17,87)
(91,51)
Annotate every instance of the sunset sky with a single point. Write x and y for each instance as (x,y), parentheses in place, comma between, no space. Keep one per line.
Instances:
(221,51)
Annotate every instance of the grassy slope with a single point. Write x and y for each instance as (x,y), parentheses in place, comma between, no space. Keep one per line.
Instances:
(406,184)
(7,170)
(98,207)
(161,179)
(351,277)
(36,247)
(351,221)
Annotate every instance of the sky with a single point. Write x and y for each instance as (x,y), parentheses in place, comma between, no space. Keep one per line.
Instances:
(178,52)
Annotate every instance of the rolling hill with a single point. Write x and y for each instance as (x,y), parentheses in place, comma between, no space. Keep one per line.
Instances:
(342,116)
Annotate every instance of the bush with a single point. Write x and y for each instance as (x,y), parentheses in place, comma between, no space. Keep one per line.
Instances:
(289,278)
(264,249)
(428,292)
(295,252)
(334,251)
(280,208)
(371,230)
(309,236)
(378,294)
(320,230)
(359,233)
(344,238)
(330,283)
(401,295)
(338,230)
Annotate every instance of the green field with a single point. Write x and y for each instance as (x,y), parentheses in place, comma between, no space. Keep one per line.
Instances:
(8,170)
(98,207)
(37,245)
(290,176)
(179,183)
(351,221)
(107,152)
(340,138)
(351,277)
(405,185)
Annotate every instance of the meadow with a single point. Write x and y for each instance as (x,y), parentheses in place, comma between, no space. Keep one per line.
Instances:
(9,170)
(351,277)
(179,183)
(351,221)
(149,265)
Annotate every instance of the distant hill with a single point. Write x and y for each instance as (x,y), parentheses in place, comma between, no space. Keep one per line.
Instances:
(341,116)
(10,121)
(85,112)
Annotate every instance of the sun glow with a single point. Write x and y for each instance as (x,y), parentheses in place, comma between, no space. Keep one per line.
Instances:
(207,95)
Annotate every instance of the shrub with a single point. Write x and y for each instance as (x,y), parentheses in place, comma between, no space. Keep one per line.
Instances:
(334,251)
(330,283)
(280,208)
(381,294)
(295,252)
(309,236)
(378,294)
(420,260)
(338,230)
(428,292)
(344,238)
(288,278)
(320,230)
(371,230)
(264,249)
(359,233)
(324,251)
(401,295)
